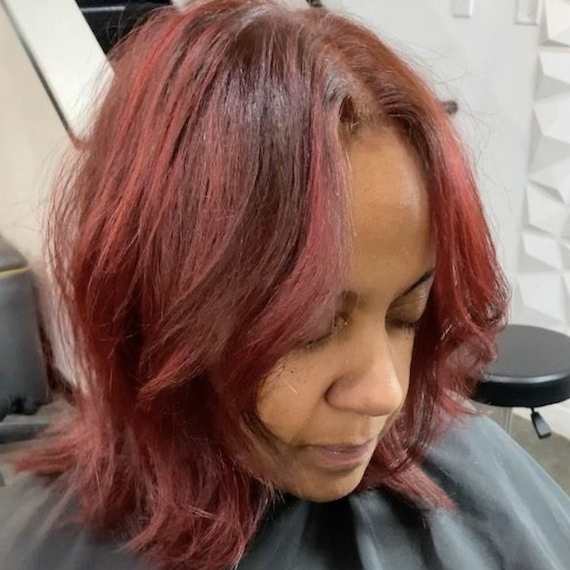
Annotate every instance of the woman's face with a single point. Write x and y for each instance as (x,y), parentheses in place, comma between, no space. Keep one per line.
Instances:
(327,404)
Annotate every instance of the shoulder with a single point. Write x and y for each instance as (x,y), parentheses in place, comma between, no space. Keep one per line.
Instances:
(476,453)
(475,437)
(38,531)
(499,488)
(478,445)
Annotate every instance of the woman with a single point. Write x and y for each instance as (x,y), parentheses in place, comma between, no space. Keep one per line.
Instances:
(282,289)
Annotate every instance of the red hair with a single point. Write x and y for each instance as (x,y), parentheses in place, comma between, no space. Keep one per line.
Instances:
(202,224)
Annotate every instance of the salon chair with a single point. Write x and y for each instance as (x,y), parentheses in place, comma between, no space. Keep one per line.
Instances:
(533,370)
(23,383)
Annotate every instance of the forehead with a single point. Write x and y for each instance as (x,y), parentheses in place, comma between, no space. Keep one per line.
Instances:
(390,213)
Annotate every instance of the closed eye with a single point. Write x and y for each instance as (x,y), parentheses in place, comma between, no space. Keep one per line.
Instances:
(340,322)
(407,326)
(405,316)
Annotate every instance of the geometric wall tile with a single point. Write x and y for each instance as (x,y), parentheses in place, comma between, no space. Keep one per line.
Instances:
(553,117)
(556,17)
(523,314)
(526,316)
(567,294)
(539,253)
(565,249)
(553,72)
(566,229)
(555,176)
(545,212)
(544,150)
(543,294)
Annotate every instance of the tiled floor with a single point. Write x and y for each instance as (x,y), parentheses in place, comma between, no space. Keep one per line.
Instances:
(552,453)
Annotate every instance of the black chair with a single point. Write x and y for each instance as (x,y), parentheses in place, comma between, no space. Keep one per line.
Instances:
(111,20)
(533,370)
(23,380)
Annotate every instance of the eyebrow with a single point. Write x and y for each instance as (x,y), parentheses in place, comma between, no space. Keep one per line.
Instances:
(351,295)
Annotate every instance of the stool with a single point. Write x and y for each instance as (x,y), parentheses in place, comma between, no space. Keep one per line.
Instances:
(533,370)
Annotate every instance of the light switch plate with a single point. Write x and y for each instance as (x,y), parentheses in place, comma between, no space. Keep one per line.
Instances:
(463,8)
(528,12)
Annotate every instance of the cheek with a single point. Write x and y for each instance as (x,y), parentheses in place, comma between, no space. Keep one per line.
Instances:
(289,401)
(403,361)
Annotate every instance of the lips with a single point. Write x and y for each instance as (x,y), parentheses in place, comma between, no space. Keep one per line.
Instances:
(344,447)
(342,456)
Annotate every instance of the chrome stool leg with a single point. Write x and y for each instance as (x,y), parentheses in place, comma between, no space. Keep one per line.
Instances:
(506,419)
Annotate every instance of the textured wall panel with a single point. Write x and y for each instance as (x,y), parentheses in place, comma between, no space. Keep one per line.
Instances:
(542,293)
(544,210)
(542,298)
(539,253)
(556,30)
(554,179)
(554,76)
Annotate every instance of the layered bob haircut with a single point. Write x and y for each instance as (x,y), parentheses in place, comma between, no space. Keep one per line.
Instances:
(201,224)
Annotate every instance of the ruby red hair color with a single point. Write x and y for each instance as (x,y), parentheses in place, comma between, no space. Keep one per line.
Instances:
(200,225)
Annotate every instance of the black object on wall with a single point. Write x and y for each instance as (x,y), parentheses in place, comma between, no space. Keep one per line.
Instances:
(451,107)
(112,20)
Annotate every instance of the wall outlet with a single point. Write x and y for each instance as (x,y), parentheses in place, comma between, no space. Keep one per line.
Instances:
(463,8)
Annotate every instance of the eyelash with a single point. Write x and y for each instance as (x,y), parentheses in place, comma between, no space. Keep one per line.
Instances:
(322,341)
(319,342)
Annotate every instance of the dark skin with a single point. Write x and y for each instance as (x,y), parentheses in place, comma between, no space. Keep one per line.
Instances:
(350,383)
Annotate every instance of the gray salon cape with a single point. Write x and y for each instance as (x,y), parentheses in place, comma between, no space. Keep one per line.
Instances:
(511,516)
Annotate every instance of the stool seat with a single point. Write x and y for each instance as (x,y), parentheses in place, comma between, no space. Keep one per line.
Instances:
(533,369)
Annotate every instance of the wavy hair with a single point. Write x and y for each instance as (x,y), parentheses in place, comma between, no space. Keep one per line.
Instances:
(201,224)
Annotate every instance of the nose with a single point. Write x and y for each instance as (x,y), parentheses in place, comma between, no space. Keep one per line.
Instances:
(369,384)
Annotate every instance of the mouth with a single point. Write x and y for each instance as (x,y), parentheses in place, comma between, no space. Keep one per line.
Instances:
(340,457)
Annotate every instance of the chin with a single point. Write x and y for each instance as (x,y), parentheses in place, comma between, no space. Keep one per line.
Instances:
(323,488)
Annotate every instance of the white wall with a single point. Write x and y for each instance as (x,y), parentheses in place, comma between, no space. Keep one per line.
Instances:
(488,63)
(30,133)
